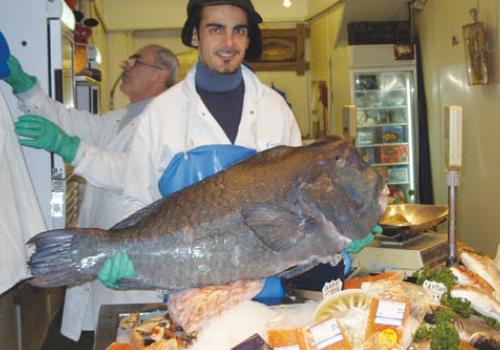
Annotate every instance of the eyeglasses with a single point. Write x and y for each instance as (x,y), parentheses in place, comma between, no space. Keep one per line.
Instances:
(133,60)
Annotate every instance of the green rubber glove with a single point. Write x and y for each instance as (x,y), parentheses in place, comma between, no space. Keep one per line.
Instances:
(358,244)
(18,80)
(42,133)
(115,268)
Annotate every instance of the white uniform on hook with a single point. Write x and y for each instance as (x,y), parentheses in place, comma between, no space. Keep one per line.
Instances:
(177,121)
(20,214)
(100,160)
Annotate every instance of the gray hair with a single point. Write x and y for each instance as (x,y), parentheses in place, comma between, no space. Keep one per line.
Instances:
(166,58)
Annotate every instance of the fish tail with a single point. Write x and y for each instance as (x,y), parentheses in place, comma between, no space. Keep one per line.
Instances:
(63,257)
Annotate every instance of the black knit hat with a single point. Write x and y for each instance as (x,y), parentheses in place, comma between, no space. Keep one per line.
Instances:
(194,8)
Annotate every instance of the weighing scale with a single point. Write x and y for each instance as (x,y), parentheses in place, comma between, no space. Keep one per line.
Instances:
(407,243)
(426,249)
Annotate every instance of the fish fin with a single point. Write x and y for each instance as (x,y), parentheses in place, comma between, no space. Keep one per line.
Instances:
(135,283)
(278,228)
(55,261)
(136,217)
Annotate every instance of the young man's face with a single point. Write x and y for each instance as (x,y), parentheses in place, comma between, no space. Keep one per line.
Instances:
(223,37)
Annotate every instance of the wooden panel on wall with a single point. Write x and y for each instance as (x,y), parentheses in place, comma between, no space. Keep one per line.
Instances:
(283,49)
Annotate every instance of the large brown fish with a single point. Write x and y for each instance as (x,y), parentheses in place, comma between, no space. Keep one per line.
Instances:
(287,207)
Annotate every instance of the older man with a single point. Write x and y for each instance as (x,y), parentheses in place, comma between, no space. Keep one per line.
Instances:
(97,147)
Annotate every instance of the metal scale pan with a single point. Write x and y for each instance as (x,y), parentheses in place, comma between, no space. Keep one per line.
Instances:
(405,222)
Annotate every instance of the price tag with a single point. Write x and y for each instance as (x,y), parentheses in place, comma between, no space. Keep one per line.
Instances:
(326,333)
(437,289)
(332,287)
(390,313)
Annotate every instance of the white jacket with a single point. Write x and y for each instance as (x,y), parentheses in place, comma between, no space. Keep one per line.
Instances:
(177,121)
(100,160)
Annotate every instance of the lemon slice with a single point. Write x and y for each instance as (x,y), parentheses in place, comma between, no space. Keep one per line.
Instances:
(351,308)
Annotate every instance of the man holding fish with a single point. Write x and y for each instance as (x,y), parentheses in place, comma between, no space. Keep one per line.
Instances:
(220,114)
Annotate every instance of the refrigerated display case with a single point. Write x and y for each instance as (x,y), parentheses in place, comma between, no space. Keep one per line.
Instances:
(384,93)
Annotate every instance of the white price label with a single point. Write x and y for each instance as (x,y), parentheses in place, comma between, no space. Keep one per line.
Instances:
(390,313)
(437,289)
(331,288)
(326,333)
(288,347)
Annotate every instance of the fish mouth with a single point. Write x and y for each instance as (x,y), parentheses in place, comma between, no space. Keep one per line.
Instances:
(382,200)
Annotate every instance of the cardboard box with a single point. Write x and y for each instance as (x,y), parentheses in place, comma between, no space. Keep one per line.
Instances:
(393,134)
(397,175)
(366,137)
(394,154)
(368,154)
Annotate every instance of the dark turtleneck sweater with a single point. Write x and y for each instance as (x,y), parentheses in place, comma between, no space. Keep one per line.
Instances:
(223,95)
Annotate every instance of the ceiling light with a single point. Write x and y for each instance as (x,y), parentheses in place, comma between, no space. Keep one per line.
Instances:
(287,3)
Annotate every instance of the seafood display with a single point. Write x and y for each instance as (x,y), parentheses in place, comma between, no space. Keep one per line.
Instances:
(284,208)
(484,267)
(385,313)
(480,301)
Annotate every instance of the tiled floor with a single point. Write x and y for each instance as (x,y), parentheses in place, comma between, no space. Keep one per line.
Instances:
(56,341)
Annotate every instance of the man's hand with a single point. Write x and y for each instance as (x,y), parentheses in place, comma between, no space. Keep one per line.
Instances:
(42,133)
(358,244)
(11,71)
(115,268)
(4,56)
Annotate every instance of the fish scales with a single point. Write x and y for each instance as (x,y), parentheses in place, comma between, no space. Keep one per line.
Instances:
(281,208)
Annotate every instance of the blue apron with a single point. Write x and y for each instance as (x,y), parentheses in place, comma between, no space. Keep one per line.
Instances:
(187,168)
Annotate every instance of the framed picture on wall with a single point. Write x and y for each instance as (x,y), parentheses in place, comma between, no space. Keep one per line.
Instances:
(283,49)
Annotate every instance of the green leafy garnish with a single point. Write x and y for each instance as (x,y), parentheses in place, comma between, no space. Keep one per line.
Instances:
(423,332)
(442,275)
(443,335)
(460,306)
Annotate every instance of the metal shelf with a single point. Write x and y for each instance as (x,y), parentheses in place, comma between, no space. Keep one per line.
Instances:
(389,164)
(380,90)
(380,125)
(378,108)
(382,144)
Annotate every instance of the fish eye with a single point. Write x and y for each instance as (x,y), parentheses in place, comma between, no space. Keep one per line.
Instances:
(340,161)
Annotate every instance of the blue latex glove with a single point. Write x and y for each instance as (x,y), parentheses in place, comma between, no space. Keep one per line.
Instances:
(42,133)
(4,56)
(115,268)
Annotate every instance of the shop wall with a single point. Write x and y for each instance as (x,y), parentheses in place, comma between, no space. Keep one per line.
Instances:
(446,83)
(329,62)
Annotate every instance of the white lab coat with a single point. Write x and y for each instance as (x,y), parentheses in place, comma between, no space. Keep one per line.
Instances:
(20,215)
(177,121)
(100,160)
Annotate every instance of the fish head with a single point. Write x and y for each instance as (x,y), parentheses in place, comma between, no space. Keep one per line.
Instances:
(347,191)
